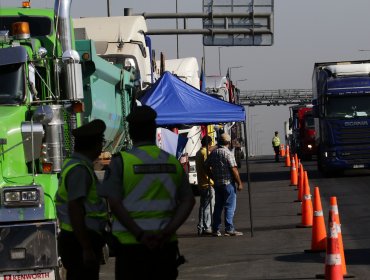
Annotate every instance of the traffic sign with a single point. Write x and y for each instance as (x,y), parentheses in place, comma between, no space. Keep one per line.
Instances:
(238,22)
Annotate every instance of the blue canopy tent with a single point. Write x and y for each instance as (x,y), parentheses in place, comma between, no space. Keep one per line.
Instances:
(177,102)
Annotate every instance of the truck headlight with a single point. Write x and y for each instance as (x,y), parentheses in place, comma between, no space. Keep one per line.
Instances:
(309,146)
(12,196)
(21,196)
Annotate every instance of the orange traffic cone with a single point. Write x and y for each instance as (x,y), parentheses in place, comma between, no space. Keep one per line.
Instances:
(334,209)
(287,158)
(318,241)
(296,160)
(293,174)
(333,264)
(307,211)
(301,183)
(282,150)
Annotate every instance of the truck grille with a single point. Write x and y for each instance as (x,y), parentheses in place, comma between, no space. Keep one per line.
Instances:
(353,143)
(355,154)
(350,136)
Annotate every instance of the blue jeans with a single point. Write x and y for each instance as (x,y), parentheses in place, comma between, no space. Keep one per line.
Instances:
(206,205)
(225,199)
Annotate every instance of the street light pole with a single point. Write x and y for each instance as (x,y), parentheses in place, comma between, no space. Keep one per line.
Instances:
(250,126)
(219,60)
(177,35)
(108,8)
(254,139)
(236,82)
(257,141)
(237,90)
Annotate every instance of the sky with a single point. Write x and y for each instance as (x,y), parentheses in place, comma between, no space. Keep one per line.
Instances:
(305,32)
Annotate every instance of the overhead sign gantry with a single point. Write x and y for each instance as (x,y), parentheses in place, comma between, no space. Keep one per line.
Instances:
(247,22)
(226,23)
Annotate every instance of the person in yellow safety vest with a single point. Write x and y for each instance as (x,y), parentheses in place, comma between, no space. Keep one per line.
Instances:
(150,198)
(82,214)
(276,145)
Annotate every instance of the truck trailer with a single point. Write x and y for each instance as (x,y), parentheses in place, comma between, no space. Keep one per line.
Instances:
(187,69)
(222,88)
(50,83)
(120,40)
(341,99)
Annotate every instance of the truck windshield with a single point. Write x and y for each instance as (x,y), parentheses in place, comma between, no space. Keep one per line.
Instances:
(11,83)
(39,26)
(347,107)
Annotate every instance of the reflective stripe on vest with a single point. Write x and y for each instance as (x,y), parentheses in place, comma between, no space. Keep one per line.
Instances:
(96,213)
(150,181)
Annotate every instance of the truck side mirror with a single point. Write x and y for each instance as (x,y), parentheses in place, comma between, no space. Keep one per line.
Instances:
(315,111)
(315,108)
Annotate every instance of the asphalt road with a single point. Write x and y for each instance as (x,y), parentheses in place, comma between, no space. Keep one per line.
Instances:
(276,250)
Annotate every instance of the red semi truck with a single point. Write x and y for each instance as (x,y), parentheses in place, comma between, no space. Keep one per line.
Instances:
(302,139)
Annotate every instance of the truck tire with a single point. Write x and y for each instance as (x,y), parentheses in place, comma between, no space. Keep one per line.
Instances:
(320,166)
(325,172)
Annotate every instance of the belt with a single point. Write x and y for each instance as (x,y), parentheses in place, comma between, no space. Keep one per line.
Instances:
(224,184)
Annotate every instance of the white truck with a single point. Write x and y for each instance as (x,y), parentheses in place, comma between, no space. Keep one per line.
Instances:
(120,40)
(219,87)
(288,133)
(187,69)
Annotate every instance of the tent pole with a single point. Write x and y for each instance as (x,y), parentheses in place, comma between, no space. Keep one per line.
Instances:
(248,177)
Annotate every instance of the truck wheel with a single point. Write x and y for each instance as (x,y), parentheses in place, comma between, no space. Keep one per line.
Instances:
(325,172)
(306,157)
(320,166)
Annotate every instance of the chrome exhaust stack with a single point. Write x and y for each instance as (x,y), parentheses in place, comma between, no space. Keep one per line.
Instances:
(70,57)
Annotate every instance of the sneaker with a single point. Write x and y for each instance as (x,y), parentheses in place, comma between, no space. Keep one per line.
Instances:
(233,233)
(207,232)
(216,233)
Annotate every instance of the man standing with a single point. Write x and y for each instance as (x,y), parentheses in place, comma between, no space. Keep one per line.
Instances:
(205,185)
(81,213)
(150,197)
(222,167)
(276,145)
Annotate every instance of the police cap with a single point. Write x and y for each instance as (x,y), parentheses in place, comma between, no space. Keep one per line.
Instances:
(142,114)
(93,129)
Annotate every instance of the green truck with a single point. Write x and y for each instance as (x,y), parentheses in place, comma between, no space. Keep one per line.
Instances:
(50,83)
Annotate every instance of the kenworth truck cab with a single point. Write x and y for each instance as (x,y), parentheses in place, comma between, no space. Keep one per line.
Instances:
(341,98)
(49,84)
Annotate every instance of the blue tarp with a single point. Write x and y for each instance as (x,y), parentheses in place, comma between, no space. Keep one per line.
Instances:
(177,102)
